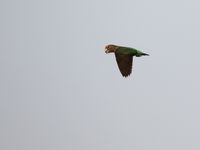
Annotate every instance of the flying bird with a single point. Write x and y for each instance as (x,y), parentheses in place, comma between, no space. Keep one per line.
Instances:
(124,57)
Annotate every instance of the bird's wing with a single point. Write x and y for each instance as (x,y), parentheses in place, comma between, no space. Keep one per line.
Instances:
(124,63)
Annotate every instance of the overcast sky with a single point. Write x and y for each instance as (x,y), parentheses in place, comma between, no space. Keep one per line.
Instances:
(60,91)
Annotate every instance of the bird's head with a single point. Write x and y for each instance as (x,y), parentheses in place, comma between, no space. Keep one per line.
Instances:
(110,48)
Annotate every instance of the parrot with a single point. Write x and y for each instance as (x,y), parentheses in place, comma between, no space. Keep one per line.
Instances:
(124,57)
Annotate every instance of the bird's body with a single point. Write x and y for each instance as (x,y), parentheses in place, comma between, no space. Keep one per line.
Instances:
(124,57)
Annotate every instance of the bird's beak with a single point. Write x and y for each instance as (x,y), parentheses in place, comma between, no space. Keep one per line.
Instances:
(106,50)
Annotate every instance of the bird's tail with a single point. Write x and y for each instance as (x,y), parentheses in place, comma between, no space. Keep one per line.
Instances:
(145,54)
(142,54)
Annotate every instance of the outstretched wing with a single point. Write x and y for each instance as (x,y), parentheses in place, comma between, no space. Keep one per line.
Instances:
(124,63)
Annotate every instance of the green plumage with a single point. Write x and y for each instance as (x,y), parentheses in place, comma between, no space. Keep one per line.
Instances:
(126,51)
(129,51)
(124,57)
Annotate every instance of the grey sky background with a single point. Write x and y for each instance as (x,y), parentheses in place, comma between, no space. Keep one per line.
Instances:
(59,90)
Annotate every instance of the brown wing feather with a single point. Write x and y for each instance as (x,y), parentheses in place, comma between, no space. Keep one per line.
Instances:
(124,63)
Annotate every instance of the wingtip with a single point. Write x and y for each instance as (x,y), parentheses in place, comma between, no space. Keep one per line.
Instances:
(126,75)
